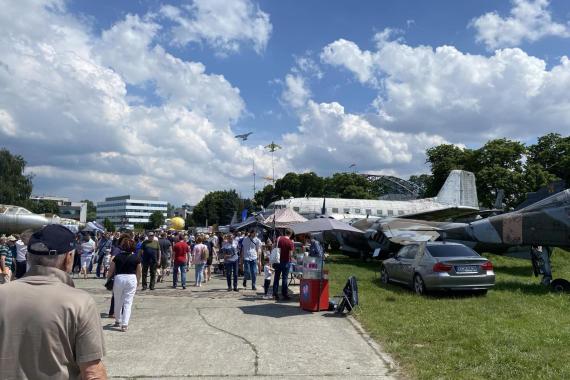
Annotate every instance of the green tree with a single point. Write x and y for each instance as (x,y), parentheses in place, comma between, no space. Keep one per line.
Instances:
(91,210)
(15,186)
(499,165)
(442,159)
(552,153)
(109,226)
(217,207)
(43,206)
(156,219)
(422,181)
(343,185)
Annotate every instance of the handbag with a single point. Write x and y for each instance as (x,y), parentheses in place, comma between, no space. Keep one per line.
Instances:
(275,256)
(111,280)
(110,283)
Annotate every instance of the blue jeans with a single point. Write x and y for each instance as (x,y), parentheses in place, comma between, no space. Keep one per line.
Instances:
(281,270)
(199,273)
(182,268)
(231,268)
(250,267)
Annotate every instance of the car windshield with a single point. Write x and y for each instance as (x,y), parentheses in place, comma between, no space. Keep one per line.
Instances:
(451,251)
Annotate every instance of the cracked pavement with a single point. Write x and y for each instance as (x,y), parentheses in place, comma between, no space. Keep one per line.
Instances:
(210,333)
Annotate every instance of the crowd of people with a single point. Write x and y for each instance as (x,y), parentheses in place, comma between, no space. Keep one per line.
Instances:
(42,261)
(131,260)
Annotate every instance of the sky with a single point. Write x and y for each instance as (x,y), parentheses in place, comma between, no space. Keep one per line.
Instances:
(105,98)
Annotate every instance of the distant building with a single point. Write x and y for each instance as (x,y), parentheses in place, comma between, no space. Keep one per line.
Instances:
(128,210)
(67,209)
(184,211)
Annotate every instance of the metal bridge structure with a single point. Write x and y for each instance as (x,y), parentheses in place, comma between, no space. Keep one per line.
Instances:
(395,188)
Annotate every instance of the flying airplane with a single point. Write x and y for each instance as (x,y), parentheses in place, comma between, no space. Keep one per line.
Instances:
(244,136)
(457,196)
(16,219)
(534,230)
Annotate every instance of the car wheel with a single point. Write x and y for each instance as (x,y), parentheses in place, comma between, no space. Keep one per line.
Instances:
(384,277)
(419,285)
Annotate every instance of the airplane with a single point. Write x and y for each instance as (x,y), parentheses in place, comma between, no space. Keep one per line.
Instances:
(243,136)
(533,231)
(457,196)
(16,219)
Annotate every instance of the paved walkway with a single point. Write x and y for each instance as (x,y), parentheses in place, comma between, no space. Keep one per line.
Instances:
(211,333)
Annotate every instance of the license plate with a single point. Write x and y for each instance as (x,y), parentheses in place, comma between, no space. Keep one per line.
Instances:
(466,268)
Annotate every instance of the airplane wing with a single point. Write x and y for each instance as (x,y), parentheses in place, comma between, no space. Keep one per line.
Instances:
(442,214)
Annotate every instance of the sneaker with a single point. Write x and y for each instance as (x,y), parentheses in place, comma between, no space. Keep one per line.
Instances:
(117,324)
(143,288)
(235,289)
(254,288)
(173,286)
(244,283)
(287,298)
(229,289)
(276,298)
(183,287)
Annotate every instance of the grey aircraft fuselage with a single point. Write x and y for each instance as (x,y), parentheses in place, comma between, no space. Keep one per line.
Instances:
(545,223)
(15,220)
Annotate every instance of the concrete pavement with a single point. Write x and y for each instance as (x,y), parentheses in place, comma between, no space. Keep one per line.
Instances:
(208,332)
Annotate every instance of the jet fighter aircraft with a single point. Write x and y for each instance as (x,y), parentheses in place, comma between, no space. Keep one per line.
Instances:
(536,229)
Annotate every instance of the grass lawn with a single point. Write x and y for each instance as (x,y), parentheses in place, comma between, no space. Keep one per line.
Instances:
(518,331)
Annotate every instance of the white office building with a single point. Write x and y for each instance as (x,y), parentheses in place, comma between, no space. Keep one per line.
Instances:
(67,208)
(128,210)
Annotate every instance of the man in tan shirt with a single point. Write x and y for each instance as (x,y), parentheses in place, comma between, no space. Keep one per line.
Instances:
(49,329)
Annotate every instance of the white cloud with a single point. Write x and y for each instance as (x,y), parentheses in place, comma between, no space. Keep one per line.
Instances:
(295,94)
(347,54)
(330,139)
(466,98)
(529,20)
(63,90)
(224,25)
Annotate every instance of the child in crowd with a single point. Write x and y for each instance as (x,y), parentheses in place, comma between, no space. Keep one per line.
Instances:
(106,262)
(267,273)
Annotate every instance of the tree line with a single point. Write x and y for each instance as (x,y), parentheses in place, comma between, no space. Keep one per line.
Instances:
(500,164)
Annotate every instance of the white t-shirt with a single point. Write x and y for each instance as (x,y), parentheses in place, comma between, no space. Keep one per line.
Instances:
(250,247)
(87,248)
(21,251)
(267,272)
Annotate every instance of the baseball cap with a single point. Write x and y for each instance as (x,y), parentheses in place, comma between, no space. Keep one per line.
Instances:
(11,238)
(53,239)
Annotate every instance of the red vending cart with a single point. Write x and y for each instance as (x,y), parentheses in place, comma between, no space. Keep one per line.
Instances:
(314,288)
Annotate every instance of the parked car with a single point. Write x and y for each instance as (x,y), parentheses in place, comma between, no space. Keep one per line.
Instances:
(439,266)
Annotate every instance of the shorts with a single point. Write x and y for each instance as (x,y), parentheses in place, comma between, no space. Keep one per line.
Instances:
(86,260)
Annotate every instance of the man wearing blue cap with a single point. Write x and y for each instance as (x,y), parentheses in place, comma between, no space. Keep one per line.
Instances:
(49,329)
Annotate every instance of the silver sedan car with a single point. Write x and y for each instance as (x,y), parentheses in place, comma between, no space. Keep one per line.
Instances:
(439,266)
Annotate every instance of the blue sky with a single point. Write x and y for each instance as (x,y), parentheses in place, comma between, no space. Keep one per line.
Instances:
(334,82)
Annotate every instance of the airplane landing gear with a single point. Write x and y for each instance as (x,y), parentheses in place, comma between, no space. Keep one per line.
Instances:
(540,257)
(560,285)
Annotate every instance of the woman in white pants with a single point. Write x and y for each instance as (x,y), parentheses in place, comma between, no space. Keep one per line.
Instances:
(126,267)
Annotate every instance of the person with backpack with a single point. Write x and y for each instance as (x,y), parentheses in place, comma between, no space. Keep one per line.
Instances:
(251,247)
(199,257)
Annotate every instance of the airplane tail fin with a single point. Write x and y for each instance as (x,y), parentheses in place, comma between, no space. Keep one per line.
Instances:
(459,190)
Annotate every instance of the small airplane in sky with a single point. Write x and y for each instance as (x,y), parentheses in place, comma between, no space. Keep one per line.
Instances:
(244,136)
